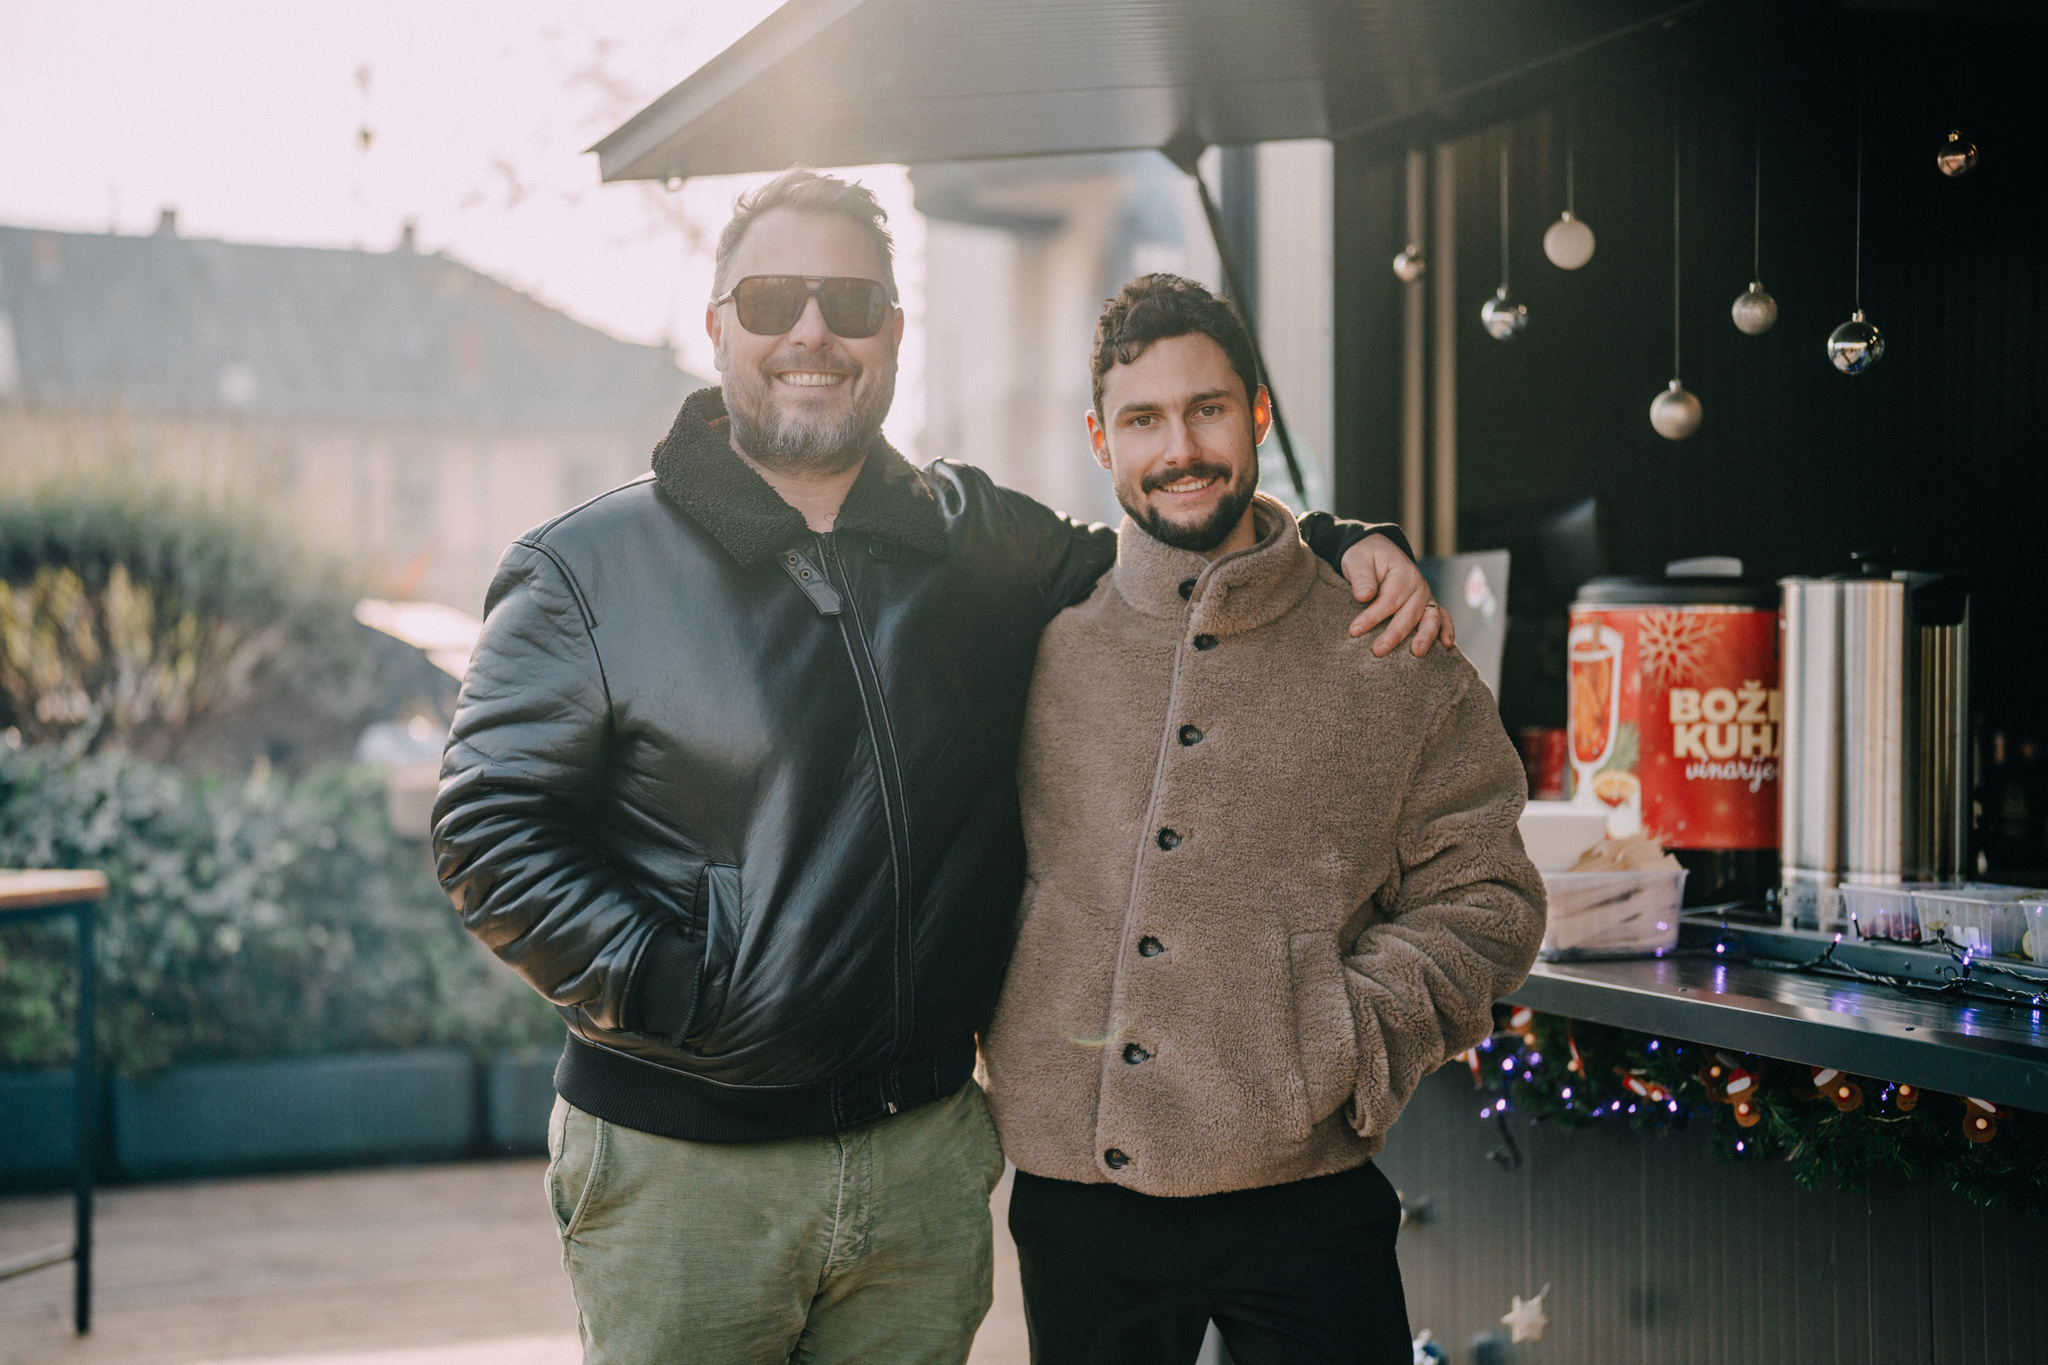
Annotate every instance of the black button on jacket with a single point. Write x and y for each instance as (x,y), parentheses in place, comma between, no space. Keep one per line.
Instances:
(740,799)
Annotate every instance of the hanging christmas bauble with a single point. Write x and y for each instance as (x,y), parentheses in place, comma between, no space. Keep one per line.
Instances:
(1409,265)
(1755,311)
(1675,413)
(1957,156)
(1568,242)
(1503,316)
(1855,346)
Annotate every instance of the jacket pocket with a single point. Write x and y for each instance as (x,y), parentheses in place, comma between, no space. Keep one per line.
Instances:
(719,909)
(1325,1031)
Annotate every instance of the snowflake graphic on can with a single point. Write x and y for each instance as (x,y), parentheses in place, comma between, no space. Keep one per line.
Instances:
(1671,645)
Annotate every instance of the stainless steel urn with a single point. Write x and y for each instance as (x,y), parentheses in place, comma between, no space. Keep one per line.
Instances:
(1876,673)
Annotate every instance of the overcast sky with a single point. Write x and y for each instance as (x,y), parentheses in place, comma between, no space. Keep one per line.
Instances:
(246,117)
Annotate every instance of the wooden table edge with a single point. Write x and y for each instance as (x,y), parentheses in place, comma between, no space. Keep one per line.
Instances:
(28,890)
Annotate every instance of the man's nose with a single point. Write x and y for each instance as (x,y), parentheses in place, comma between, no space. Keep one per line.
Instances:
(809,329)
(1180,443)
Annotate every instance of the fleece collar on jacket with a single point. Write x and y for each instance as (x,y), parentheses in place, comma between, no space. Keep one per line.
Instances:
(696,467)
(1233,593)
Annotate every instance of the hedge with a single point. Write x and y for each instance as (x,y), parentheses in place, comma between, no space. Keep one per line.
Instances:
(261,918)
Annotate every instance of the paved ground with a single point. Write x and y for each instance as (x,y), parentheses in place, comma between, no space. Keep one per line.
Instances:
(436,1265)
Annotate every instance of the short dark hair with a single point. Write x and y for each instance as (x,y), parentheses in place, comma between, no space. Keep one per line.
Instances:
(1156,307)
(805,191)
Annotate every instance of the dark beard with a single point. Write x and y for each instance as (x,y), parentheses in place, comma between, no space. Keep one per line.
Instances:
(1206,534)
(830,446)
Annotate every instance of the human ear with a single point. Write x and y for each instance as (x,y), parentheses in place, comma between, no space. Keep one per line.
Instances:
(1098,439)
(1262,415)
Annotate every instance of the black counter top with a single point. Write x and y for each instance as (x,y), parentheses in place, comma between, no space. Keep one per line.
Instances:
(1994,1052)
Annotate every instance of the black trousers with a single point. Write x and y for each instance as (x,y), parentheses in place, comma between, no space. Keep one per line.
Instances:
(1302,1272)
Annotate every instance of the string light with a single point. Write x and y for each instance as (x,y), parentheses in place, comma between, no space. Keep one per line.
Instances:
(1653,1087)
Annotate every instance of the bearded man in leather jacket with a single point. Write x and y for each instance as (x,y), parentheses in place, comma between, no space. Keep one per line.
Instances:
(732,783)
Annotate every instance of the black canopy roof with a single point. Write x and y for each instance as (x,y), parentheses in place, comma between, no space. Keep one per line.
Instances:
(849,82)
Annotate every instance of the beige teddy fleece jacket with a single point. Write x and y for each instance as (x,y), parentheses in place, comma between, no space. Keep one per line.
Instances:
(1273,880)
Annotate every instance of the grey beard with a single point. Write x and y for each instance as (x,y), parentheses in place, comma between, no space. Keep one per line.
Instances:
(775,442)
(827,447)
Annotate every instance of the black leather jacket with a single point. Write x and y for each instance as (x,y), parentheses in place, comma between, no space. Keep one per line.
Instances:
(740,798)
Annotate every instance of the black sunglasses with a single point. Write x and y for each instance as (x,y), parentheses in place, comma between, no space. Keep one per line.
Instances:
(769,305)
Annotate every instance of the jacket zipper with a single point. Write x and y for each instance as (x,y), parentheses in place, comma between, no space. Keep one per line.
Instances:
(890,768)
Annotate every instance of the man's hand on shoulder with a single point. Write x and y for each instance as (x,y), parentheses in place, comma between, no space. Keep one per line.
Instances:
(1395,592)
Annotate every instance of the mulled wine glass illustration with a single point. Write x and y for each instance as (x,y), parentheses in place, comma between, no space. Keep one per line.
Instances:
(1594,653)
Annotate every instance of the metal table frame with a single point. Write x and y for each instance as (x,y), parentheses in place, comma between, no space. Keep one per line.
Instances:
(78,897)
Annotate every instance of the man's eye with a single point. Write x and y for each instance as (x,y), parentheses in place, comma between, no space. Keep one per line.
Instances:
(1141,421)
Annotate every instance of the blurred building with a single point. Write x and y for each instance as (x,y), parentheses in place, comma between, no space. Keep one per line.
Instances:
(1020,254)
(400,410)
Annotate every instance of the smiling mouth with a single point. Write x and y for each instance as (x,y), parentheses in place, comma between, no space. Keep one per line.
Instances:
(812,379)
(1187,485)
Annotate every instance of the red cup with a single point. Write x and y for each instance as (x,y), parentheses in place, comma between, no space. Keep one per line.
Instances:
(1543,759)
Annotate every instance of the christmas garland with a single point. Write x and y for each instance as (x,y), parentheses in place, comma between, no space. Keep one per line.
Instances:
(1857,1129)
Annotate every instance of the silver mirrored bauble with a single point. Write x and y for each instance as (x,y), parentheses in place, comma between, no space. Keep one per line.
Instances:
(1675,413)
(1568,243)
(1755,312)
(1409,265)
(1503,316)
(1855,346)
(1956,156)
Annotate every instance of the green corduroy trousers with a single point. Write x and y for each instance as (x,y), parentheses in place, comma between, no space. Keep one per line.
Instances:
(867,1245)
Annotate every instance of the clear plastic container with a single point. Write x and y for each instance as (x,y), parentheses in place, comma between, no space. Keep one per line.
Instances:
(1984,918)
(2034,911)
(1883,911)
(1612,914)
(1804,905)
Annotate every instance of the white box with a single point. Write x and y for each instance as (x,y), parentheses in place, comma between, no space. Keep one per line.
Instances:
(1555,833)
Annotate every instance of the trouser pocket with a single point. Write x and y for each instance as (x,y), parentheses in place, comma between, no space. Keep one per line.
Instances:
(576,1148)
(990,1141)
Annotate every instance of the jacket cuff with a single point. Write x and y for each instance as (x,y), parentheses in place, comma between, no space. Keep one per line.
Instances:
(663,997)
(1331,538)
